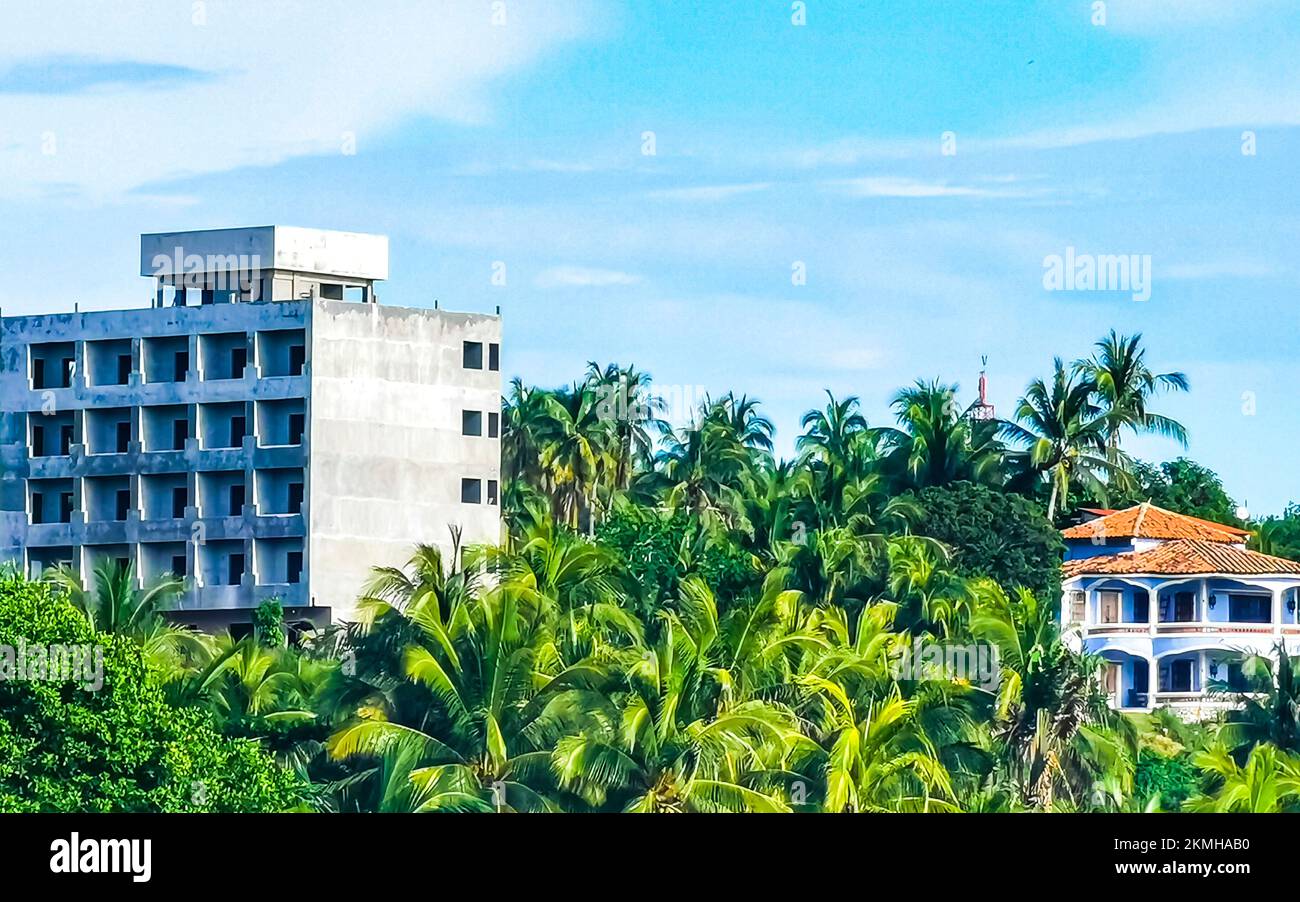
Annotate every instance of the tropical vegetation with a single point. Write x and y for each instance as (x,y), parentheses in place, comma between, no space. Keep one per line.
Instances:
(676,619)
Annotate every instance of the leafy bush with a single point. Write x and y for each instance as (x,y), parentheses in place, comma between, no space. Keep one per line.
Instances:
(1002,536)
(660,550)
(1182,486)
(65,747)
(268,623)
(1173,777)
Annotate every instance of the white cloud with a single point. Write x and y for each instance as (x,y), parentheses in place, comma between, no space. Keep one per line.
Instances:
(583,277)
(710,192)
(899,186)
(346,72)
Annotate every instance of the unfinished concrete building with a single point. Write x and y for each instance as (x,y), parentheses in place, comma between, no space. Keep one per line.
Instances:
(266,429)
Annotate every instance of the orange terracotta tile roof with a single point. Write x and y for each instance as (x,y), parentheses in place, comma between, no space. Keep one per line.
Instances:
(1146,521)
(1180,557)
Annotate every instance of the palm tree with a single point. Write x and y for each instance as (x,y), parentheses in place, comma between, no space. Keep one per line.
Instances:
(930,596)
(1268,710)
(836,446)
(525,422)
(115,603)
(702,469)
(1065,434)
(937,443)
(574,453)
(1059,736)
(623,397)
(1269,782)
(582,586)
(875,751)
(482,668)
(675,739)
(1125,385)
(740,416)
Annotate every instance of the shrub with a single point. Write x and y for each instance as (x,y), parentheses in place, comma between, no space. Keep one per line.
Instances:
(991,533)
(66,746)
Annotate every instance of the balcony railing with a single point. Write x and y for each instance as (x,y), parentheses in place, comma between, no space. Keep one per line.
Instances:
(1184,626)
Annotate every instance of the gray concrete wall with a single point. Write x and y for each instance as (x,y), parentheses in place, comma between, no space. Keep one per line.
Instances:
(383,455)
(388,389)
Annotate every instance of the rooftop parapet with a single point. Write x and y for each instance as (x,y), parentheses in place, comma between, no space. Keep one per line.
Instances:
(264,263)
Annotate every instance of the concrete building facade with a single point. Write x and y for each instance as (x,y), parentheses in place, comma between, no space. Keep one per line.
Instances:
(265,430)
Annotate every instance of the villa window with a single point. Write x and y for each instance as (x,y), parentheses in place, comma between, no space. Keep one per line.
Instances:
(1249,608)
(1110,605)
(1141,607)
(1177,676)
(1078,606)
(1235,677)
(1181,608)
(471,491)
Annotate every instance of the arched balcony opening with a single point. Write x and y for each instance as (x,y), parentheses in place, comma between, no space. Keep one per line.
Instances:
(1126,679)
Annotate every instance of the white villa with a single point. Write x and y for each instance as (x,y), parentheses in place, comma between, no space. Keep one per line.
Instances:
(1172,603)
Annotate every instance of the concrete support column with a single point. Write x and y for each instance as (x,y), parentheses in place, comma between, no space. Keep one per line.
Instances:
(1277,611)
(137,363)
(1153,609)
(1153,674)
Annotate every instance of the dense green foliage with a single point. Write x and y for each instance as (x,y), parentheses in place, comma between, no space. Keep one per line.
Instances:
(990,533)
(661,548)
(1280,535)
(67,747)
(268,623)
(1168,780)
(677,620)
(1181,485)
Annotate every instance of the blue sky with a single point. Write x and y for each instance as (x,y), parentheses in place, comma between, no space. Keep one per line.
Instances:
(776,146)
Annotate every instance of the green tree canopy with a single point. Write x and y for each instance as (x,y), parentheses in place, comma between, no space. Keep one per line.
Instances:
(995,534)
(1182,486)
(66,745)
